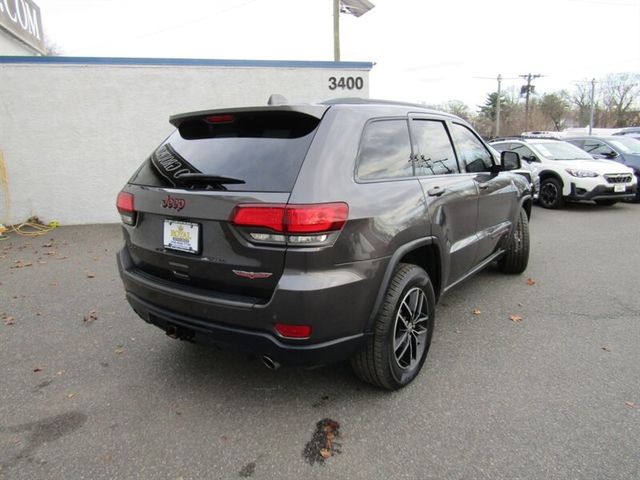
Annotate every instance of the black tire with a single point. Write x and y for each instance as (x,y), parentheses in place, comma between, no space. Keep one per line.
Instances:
(606,203)
(516,256)
(550,195)
(377,362)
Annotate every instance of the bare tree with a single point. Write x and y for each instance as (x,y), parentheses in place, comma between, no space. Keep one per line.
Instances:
(51,48)
(621,92)
(581,100)
(461,109)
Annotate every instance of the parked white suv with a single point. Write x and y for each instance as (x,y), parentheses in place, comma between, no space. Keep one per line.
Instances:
(569,173)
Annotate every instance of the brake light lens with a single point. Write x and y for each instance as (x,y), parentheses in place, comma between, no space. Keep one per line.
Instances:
(315,218)
(293,219)
(293,331)
(126,208)
(267,216)
(220,118)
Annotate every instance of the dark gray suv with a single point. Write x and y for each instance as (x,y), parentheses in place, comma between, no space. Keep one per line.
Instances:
(312,234)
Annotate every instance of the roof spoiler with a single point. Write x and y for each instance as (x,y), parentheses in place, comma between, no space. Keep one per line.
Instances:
(316,111)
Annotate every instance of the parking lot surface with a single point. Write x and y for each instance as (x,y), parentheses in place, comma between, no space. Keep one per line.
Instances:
(89,391)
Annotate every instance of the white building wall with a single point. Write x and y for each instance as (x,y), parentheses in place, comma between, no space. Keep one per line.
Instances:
(72,134)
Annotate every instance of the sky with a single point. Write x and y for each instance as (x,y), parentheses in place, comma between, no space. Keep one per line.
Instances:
(429,51)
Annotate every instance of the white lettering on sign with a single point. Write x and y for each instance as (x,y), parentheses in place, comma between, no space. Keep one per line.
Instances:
(22,19)
(12,15)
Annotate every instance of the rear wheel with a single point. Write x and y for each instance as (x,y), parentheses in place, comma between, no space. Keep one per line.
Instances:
(395,353)
(550,194)
(606,202)
(516,256)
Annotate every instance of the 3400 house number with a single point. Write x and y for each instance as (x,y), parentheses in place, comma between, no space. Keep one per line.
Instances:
(346,83)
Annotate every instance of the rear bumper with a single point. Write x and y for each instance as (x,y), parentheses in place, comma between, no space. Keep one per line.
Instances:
(256,342)
(336,304)
(602,192)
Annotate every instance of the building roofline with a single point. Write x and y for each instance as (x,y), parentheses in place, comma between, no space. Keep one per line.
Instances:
(184,62)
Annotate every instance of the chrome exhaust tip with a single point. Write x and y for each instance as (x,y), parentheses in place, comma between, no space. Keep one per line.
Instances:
(270,363)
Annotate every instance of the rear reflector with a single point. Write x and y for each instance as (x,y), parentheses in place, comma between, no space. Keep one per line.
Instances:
(125,205)
(293,331)
(316,218)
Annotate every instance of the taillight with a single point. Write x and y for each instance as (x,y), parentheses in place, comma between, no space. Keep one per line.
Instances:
(126,208)
(296,224)
(293,331)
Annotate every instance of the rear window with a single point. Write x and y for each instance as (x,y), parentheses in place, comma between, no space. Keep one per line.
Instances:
(265,150)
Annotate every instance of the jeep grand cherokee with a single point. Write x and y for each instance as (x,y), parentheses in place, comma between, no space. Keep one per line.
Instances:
(311,234)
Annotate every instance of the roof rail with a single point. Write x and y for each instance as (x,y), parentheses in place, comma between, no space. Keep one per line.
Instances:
(369,101)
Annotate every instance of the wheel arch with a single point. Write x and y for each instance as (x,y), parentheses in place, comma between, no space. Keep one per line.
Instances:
(425,253)
(545,174)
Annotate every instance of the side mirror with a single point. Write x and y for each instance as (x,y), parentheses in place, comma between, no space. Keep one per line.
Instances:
(510,161)
(611,154)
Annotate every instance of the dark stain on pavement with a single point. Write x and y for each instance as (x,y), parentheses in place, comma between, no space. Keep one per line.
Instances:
(43,431)
(247,470)
(42,385)
(321,403)
(322,444)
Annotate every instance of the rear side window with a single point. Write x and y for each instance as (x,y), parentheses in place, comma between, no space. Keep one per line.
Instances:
(435,153)
(265,150)
(385,150)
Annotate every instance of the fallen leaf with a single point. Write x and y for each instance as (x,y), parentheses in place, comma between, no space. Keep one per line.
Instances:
(9,321)
(630,404)
(90,317)
(42,262)
(48,245)
(515,318)
(531,281)
(71,395)
(37,369)
(325,453)
(95,259)
(476,311)
(119,350)
(59,372)
(91,275)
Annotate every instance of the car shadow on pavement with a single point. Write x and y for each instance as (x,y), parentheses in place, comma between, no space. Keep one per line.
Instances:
(203,371)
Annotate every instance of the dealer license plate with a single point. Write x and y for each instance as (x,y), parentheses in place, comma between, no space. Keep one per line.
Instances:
(619,188)
(183,236)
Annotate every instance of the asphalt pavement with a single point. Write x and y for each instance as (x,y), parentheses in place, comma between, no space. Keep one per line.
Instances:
(89,391)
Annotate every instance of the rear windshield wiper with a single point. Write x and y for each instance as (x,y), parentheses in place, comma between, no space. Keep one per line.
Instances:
(195,178)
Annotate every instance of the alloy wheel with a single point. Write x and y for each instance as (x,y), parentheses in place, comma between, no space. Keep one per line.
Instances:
(410,329)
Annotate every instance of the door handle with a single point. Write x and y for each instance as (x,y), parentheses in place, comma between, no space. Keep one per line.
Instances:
(435,191)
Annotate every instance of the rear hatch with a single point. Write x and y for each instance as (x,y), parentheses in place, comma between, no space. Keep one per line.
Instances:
(185,194)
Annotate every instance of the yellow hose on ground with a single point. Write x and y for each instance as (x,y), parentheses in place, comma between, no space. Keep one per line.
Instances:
(33,227)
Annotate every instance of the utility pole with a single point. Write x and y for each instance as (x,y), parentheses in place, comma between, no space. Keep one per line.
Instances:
(593,104)
(498,105)
(527,90)
(357,8)
(336,30)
